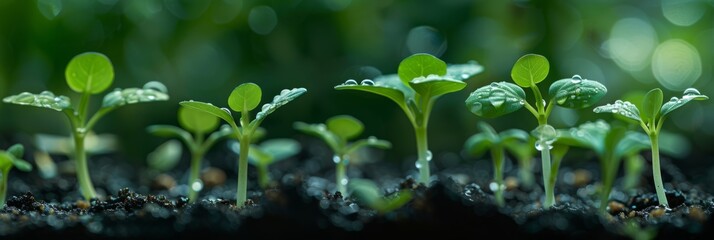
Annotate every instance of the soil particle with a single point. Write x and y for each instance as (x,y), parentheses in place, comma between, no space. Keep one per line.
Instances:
(616,207)
(163,182)
(212,177)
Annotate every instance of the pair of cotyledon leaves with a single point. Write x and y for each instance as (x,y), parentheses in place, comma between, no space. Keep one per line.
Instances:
(13,158)
(91,73)
(338,130)
(652,107)
(500,98)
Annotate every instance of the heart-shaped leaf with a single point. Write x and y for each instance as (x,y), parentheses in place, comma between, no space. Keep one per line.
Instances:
(89,72)
(369,142)
(285,96)
(222,113)
(496,99)
(17,150)
(464,71)
(151,92)
(530,70)
(674,103)
(245,97)
(320,130)
(576,92)
(197,121)
(165,157)
(345,126)
(433,86)
(651,105)
(420,65)
(624,108)
(46,99)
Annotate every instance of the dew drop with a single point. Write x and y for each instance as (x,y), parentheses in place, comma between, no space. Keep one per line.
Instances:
(197,185)
(344,181)
(522,102)
(226,110)
(372,139)
(497,98)
(493,186)
(477,107)
(151,97)
(266,107)
(578,90)
(428,156)
(464,76)
(336,159)
(674,99)
(351,82)
(367,82)
(691,91)
(418,165)
(576,79)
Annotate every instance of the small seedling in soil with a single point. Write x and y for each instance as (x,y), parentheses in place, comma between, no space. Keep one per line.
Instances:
(336,133)
(524,152)
(89,73)
(500,98)
(420,80)
(9,159)
(610,144)
(496,142)
(267,153)
(243,99)
(195,125)
(366,192)
(651,117)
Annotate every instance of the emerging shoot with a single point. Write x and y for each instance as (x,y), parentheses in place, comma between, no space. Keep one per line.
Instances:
(9,159)
(267,153)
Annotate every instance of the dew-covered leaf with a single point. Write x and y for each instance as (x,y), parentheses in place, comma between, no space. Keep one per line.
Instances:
(151,92)
(674,103)
(576,92)
(420,65)
(496,99)
(651,105)
(165,157)
(623,108)
(197,121)
(433,86)
(345,126)
(46,99)
(530,70)
(222,113)
(89,72)
(588,135)
(388,86)
(285,96)
(245,97)
(464,71)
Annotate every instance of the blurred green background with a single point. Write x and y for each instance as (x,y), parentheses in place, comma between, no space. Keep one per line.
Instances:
(202,49)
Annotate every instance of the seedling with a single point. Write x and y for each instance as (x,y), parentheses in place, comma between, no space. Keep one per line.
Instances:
(195,125)
(420,80)
(497,143)
(243,99)
(8,159)
(500,98)
(89,73)
(651,119)
(610,144)
(267,153)
(336,132)
(367,193)
(524,152)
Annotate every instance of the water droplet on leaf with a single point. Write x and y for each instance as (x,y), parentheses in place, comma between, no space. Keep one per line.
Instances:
(351,82)
(576,79)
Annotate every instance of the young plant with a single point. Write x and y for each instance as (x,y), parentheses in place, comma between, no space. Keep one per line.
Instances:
(420,80)
(496,142)
(651,119)
(336,132)
(8,159)
(524,151)
(88,74)
(243,99)
(500,98)
(195,125)
(268,152)
(367,193)
(610,144)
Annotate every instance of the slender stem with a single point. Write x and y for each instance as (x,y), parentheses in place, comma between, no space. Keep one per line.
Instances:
(98,115)
(608,179)
(341,175)
(498,157)
(243,171)
(196,158)
(85,182)
(422,153)
(3,187)
(263,175)
(656,173)
(524,172)
(545,160)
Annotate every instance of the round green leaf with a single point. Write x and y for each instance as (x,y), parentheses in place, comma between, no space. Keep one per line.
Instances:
(530,69)
(245,97)
(496,99)
(22,165)
(651,104)
(345,126)
(674,103)
(576,92)
(197,121)
(420,65)
(16,150)
(89,72)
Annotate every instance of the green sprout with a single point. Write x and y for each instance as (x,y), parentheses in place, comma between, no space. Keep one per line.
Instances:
(500,98)
(367,193)
(336,132)
(420,80)
(243,99)
(195,125)
(89,73)
(524,151)
(497,143)
(651,117)
(267,153)
(610,144)
(8,159)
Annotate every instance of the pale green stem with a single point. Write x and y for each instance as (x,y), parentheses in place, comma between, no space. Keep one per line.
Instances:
(194,175)
(85,182)
(656,173)
(498,159)
(243,171)
(341,175)
(609,168)
(422,151)
(524,172)
(545,160)
(3,187)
